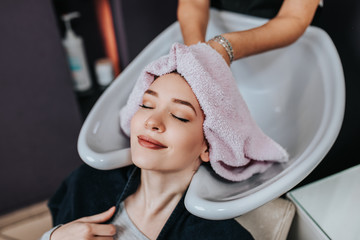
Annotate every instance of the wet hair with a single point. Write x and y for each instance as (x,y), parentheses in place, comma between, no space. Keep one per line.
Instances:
(175,71)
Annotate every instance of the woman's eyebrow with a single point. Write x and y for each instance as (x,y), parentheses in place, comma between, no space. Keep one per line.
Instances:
(151,92)
(179,101)
(175,100)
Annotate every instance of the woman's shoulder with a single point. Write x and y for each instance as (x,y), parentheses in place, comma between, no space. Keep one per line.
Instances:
(86,173)
(88,181)
(76,196)
(220,229)
(193,227)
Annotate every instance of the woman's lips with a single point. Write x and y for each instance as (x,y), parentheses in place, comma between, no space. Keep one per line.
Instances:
(148,142)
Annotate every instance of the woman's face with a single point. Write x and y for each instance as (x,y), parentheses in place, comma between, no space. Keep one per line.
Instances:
(166,132)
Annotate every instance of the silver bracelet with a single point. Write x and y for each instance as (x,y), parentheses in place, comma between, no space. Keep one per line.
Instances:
(226,44)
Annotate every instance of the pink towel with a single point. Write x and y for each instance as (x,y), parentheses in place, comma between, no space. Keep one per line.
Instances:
(238,147)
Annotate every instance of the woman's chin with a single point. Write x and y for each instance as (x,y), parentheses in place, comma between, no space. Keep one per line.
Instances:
(145,161)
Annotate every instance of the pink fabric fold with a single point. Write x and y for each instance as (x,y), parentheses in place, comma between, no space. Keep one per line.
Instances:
(238,147)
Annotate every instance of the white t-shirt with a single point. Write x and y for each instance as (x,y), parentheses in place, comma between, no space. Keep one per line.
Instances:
(125,228)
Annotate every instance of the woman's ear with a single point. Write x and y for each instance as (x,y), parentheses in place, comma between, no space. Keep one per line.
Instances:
(204,156)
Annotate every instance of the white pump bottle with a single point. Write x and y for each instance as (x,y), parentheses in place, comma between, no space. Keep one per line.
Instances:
(76,55)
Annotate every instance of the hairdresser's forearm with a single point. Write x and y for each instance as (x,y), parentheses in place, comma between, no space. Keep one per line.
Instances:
(290,23)
(193,16)
(277,33)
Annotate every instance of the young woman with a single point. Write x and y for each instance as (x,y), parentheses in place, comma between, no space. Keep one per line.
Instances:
(178,116)
(167,146)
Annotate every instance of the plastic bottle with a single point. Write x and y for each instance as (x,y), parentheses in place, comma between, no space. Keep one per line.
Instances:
(104,72)
(76,55)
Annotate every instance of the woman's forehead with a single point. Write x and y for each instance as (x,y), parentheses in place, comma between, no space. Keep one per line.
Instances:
(174,86)
(172,83)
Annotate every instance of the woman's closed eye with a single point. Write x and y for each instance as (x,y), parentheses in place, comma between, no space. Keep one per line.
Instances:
(145,106)
(179,118)
(173,115)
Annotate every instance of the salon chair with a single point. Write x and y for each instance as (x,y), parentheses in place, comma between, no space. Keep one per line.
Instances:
(296,95)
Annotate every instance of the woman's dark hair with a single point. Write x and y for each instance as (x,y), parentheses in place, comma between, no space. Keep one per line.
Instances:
(175,71)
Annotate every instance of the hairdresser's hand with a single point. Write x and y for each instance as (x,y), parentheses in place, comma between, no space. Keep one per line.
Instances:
(87,228)
(220,49)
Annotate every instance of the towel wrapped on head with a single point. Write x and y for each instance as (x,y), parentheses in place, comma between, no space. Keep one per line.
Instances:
(238,147)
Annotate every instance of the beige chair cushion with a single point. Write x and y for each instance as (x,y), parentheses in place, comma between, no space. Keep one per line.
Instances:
(271,221)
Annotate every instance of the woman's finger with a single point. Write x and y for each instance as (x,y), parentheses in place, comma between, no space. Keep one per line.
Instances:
(104,238)
(103,230)
(99,218)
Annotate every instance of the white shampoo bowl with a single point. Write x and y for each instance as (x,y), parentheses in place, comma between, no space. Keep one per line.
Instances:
(296,95)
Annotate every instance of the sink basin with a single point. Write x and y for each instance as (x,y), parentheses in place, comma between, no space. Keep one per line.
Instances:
(296,95)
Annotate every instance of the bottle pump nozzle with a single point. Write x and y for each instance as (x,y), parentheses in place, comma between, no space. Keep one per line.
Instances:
(67,18)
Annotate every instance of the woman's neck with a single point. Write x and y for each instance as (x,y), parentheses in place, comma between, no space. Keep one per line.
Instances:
(155,199)
(159,190)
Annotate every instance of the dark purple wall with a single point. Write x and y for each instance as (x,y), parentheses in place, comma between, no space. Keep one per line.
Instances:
(39,116)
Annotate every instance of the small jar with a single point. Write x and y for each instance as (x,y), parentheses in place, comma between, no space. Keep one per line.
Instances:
(104,71)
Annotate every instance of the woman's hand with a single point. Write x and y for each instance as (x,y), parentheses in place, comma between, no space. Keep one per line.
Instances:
(87,228)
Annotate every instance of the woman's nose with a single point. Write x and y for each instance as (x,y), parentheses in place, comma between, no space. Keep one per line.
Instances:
(155,123)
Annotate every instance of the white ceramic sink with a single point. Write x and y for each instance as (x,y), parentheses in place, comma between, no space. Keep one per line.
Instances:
(296,95)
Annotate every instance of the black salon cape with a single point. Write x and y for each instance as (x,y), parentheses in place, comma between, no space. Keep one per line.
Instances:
(88,191)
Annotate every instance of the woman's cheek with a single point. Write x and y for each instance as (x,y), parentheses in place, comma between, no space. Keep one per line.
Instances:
(191,137)
(135,121)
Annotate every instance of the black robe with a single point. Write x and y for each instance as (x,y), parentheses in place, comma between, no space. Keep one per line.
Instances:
(88,191)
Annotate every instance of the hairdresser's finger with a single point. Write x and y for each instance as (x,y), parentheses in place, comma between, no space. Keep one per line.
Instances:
(99,218)
(103,230)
